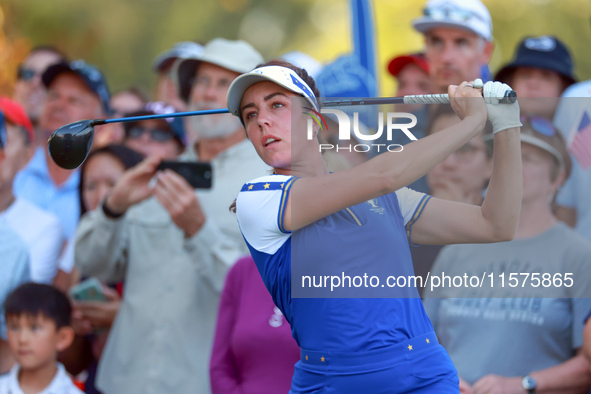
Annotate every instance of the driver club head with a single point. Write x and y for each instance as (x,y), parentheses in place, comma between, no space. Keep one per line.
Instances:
(70,144)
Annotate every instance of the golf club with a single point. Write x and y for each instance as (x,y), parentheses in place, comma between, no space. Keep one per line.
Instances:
(70,144)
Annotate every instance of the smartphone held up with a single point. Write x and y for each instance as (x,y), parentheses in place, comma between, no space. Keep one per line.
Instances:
(197,174)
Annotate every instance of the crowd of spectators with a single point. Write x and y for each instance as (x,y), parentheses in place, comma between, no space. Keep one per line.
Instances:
(183,309)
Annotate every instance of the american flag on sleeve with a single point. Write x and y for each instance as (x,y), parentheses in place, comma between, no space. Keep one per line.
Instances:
(580,146)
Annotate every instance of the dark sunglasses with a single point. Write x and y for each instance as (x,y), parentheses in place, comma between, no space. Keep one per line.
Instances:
(25,74)
(155,134)
(539,124)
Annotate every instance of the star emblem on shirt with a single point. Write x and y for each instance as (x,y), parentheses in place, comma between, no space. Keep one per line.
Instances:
(428,341)
(250,187)
(322,359)
(409,347)
(266,185)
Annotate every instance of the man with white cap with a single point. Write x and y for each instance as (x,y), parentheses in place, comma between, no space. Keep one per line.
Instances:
(203,84)
(174,250)
(458,40)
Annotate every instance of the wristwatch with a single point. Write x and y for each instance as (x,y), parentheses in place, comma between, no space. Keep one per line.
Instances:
(529,384)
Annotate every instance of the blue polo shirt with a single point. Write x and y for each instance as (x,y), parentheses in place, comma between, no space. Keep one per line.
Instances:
(370,234)
(35,184)
(14,269)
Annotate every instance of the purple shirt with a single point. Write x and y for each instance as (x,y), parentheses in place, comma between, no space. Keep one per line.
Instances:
(253,351)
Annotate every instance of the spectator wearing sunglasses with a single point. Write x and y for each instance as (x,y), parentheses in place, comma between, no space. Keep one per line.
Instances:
(29,90)
(123,102)
(458,40)
(164,138)
(540,71)
(524,337)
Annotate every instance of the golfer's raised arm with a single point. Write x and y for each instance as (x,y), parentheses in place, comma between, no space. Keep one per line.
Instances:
(446,222)
(316,197)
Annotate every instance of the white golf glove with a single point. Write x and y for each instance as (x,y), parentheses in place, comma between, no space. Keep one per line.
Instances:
(502,116)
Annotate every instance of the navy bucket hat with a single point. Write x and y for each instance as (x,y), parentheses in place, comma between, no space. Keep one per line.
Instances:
(546,53)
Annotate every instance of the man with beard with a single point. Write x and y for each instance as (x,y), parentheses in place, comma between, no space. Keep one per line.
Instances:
(173,245)
(203,84)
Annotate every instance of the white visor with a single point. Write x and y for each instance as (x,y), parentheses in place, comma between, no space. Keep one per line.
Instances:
(282,76)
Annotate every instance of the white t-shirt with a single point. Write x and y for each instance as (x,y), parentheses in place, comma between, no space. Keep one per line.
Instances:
(43,234)
(61,383)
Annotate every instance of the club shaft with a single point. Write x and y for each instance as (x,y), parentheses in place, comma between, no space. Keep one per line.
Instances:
(164,116)
(418,99)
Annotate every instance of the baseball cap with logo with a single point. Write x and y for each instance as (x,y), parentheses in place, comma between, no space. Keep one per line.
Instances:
(238,56)
(89,74)
(470,15)
(181,50)
(546,53)
(16,114)
(282,76)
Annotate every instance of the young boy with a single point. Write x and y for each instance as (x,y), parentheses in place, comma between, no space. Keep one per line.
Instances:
(38,327)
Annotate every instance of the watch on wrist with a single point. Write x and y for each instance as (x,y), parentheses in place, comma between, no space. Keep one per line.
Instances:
(529,384)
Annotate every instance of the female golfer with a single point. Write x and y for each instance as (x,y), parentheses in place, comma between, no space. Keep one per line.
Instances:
(359,218)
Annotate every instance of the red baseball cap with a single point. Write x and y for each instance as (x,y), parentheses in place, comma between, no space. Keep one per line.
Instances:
(398,63)
(15,113)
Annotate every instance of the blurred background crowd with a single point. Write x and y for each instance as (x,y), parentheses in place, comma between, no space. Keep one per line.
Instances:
(179,305)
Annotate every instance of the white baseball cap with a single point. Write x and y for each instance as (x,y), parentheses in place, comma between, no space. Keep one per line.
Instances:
(470,15)
(238,56)
(282,76)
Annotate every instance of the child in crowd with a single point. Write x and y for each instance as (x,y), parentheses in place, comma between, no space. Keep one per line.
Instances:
(38,327)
